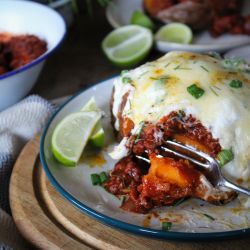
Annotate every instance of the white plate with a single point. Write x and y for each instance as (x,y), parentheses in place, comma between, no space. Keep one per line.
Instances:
(75,185)
(242,52)
(119,13)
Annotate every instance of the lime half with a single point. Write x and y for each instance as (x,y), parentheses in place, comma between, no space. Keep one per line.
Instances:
(141,19)
(175,33)
(128,45)
(71,135)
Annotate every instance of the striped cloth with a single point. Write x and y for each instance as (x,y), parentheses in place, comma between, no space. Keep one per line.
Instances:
(18,124)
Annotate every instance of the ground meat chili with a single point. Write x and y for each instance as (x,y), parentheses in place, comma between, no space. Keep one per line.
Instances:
(135,179)
(19,50)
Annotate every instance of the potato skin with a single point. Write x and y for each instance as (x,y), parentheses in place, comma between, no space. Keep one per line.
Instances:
(125,124)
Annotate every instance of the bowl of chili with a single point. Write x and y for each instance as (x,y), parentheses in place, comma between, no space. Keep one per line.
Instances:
(29,33)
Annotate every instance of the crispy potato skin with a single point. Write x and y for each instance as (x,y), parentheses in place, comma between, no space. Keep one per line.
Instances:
(125,124)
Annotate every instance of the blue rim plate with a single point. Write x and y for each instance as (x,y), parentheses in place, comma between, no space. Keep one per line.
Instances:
(110,220)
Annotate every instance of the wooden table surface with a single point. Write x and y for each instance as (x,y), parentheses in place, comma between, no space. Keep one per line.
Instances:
(80,61)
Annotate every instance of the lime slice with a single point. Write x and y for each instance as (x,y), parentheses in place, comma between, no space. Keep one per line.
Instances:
(141,19)
(175,33)
(128,45)
(91,106)
(98,137)
(71,135)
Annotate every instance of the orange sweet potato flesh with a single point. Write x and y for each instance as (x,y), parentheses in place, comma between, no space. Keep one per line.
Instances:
(191,142)
(154,6)
(174,172)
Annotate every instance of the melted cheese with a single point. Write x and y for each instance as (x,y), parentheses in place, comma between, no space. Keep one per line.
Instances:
(223,110)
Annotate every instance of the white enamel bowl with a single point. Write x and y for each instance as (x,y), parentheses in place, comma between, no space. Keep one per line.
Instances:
(26,17)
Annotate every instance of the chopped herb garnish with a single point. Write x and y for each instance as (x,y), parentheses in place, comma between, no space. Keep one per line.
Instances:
(209,217)
(167,65)
(235,84)
(139,132)
(204,68)
(166,225)
(179,202)
(215,55)
(126,79)
(195,91)
(103,177)
(213,91)
(142,74)
(235,64)
(180,67)
(160,80)
(123,72)
(225,156)
(181,113)
(217,87)
(95,179)
(124,198)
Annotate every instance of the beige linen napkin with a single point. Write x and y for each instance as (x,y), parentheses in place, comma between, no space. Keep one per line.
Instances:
(18,124)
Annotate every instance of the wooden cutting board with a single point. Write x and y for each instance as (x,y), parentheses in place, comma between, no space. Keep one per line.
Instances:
(49,221)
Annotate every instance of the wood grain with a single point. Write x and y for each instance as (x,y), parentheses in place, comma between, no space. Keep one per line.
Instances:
(48,221)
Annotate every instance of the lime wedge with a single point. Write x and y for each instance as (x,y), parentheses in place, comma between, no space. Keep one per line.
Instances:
(91,106)
(175,33)
(71,135)
(141,19)
(98,137)
(128,45)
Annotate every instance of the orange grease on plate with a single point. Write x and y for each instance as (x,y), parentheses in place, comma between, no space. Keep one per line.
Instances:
(147,220)
(94,160)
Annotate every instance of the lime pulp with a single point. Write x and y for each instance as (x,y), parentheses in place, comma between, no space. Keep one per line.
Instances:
(175,33)
(128,45)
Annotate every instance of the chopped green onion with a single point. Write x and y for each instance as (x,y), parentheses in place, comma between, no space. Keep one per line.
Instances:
(179,202)
(160,79)
(123,72)
(126,79)
(204,68)
(209,217)
(215,55)
(213,91)
(195,91)
(180,67)
(217,87)
(95,179)
(103,177)
(167,65)
(124,198)
(181,113)
(235,84)
(166,225)
(225,156)
(234,64)
(142,74)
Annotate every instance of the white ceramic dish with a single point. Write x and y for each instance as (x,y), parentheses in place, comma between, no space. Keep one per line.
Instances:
(119,13)
(189,221)
(26,17)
